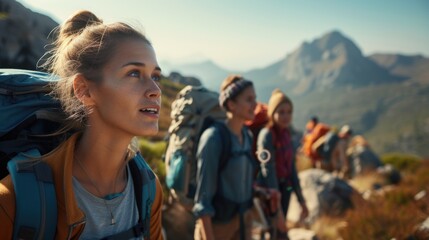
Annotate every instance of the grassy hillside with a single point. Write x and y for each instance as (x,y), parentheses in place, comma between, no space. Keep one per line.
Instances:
(396,211)
(393,117)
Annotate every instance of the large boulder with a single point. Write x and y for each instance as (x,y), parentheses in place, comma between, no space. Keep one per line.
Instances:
(23,35)
(301,234)
(324,193)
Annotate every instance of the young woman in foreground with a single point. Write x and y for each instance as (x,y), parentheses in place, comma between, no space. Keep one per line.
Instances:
(108,85)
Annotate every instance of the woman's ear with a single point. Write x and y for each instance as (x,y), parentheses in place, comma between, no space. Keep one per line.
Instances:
(81,90)
(230,105)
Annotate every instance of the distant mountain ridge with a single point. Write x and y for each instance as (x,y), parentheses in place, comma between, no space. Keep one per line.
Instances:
(382,96)
(209,73)
(414,68)
(333,60)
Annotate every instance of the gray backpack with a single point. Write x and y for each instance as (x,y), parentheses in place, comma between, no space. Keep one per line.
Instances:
(194,110)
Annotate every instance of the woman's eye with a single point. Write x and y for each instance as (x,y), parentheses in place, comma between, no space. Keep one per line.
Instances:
(134,73)
(156,78)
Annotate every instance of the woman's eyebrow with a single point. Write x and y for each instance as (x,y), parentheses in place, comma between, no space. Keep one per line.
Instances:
(139,64)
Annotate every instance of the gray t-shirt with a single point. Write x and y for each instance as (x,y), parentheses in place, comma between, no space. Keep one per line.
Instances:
(98,219)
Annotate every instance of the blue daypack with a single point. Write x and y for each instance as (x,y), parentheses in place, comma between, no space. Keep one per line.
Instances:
(30,126)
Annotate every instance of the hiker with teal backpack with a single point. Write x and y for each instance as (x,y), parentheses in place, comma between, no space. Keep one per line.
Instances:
(275,141)
(108,88)
(224,197)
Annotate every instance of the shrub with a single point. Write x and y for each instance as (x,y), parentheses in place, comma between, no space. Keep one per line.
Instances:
(402,161)
(392,212)
(153,153)
(377,221)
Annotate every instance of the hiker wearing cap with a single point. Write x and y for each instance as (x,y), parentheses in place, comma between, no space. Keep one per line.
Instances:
(311,124)
(276,138)
(224,197)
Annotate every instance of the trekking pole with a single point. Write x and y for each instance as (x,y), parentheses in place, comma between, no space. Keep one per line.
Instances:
(274,219)
(265,224)
(264,157)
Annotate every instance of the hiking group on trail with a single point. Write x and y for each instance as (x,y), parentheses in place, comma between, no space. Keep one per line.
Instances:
(231,160)
(68,138)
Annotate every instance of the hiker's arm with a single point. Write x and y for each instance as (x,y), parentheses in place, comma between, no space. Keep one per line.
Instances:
(155,218)
(208,155)
(207,229)
(296,185)
(265,141)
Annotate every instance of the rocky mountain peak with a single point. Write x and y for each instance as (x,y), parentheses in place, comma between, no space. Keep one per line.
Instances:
(329,47)
(327,62)
(333,39)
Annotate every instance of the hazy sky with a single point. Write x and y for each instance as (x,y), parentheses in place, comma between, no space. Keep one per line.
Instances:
(244,34)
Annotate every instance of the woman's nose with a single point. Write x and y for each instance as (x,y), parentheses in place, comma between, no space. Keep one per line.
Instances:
(153,91)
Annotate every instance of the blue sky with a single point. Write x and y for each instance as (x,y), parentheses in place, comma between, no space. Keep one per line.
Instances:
(245,34)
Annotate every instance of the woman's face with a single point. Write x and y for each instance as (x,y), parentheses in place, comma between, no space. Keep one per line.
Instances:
(244,105)
(283,115)
(128,99)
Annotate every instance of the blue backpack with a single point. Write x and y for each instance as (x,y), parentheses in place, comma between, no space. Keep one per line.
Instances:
(30,126)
